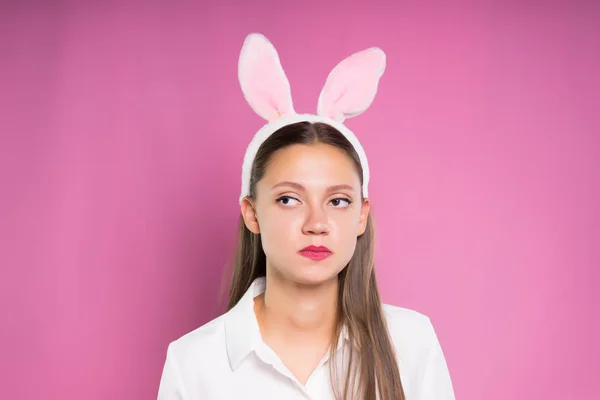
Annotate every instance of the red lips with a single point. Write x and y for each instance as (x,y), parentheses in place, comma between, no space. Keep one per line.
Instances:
(315,252)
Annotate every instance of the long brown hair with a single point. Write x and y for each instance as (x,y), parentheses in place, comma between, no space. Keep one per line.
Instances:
(374,370)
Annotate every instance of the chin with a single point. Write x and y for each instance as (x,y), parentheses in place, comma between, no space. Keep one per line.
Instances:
(314,274)
(304,271)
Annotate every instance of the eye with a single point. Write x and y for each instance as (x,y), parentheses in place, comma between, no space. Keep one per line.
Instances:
(340,201)
(287,201)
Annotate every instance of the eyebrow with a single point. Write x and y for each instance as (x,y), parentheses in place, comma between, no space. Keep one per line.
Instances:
(301,188)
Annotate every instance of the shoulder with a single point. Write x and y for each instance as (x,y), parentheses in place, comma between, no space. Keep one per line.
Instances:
(191,361)
(412,334)
(204,341)
(422,363)
(406,321)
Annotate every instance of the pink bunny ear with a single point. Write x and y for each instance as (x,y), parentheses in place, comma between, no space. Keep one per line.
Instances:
(351,86)
(263,82)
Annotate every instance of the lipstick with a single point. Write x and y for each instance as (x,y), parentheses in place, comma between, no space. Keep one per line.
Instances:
(315,253)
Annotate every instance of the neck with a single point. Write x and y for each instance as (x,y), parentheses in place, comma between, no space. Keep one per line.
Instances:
(297,312)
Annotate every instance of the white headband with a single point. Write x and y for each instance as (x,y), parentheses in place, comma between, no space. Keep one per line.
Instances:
(349,90)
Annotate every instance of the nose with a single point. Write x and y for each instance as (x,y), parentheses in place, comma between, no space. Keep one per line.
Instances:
(316,223)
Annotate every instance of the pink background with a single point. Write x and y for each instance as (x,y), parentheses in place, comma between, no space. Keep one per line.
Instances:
(122,133)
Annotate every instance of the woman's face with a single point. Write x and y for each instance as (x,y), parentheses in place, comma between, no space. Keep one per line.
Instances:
(309,195)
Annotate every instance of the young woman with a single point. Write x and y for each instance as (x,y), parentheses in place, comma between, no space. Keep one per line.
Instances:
(305,320)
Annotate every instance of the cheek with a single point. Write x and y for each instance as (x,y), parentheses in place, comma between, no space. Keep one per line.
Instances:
(278,222)
(280,230)
(347,221)
(346,228)
(347,243)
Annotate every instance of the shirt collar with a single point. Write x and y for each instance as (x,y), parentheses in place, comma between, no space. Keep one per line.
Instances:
(241,327)
(242,333)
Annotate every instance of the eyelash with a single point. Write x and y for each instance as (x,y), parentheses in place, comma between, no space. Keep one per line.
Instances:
(278,200)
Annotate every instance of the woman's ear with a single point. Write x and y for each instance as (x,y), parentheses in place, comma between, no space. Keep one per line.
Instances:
(364,216)
(249,214)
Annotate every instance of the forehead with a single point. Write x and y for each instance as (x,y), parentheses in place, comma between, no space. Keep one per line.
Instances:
(312,164)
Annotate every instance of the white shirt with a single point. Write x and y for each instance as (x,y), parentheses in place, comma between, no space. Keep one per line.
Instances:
(226,359)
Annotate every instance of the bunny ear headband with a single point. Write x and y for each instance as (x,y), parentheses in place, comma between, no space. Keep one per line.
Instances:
(349,90)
